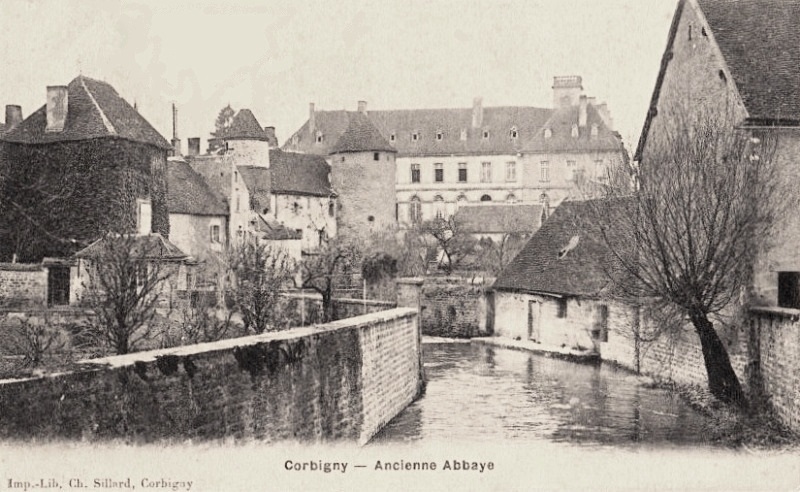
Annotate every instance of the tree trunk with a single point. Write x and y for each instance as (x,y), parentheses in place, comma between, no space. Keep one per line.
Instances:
(327,307)
(722,380)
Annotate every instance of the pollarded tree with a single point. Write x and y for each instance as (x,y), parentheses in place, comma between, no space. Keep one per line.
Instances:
(708,200)
(257,275)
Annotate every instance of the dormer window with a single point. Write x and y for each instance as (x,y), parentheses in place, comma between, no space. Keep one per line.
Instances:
(513,132)
(439,135)
(548,133)
(574,131)
(392,137)
(486,134)
(320,137)
(463,134)
(594,131)
(414,137)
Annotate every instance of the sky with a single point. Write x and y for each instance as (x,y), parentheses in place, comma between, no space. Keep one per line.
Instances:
(275,57)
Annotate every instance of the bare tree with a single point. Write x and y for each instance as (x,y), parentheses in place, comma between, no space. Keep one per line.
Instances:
(320,270)
(127,279)
(455,244)
(258,273)
(708,200)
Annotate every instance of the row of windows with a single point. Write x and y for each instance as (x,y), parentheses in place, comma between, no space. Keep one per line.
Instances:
(573,171)
(439,205)
(486,172)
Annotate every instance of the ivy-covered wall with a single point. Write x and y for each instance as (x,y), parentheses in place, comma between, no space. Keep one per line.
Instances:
(60,197)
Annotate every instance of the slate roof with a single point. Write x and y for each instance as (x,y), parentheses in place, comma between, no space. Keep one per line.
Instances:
(259,184)
(361,135)
(244,126)
(499,218)
(188,192)
(299,174)
(583,271)
(759,40)
(529,123)
(560,124)
(275,231)
(151,246)
(94,110)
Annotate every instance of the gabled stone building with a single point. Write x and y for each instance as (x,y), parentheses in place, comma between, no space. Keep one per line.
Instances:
(449,157)
(738,62)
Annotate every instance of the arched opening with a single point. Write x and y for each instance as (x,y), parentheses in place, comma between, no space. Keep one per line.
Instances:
(486,198)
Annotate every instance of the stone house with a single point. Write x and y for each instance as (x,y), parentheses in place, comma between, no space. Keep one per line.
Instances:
(84,163)
(152,250)
(449,157)
(741,61)
(269,194)
(557,291)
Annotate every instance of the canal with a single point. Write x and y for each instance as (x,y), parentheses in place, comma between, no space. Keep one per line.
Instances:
(478,392)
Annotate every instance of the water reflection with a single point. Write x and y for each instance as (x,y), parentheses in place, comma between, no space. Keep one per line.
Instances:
(478,392)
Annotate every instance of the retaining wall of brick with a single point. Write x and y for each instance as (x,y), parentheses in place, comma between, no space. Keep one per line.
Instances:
(339,381)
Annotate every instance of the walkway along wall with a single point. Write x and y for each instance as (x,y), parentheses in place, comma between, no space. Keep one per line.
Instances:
(339,381)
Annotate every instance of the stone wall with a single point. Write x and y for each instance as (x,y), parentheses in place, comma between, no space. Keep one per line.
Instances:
(777,335)
(340,381)
(22,285)
(309,307)
(454,307)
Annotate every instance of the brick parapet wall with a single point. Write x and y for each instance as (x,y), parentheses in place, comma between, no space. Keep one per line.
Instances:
(777,333)
(305,384)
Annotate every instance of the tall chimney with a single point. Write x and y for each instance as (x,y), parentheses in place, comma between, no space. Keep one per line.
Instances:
(57,98)
(271,137)
(176,142)
(13,116)
(582,111)
(312,121)
(194,146)
(566,90)
(477,112)
(362,107)
(605,115)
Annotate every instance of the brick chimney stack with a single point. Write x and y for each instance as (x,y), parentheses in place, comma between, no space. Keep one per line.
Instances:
(582,103)
(194,146)
(312,121)
(567,90)
(271,137)
(362,107)
(13,116)
(477,112)
(57,104)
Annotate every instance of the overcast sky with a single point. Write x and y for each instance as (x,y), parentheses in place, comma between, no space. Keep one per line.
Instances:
(275,57)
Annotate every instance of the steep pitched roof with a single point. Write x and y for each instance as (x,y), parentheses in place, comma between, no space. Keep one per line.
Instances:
(188,192)
(299,174)
(94,110)
(758,39)
(244,126)
(566,256)
(361,136)
(274,231)
(259,183)
(498,124)
(500,218)
(560,125)
(151,246)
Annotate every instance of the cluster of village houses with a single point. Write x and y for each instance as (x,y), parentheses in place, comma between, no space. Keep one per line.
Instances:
(494,167)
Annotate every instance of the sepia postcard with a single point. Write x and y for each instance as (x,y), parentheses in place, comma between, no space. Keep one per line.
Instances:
(399,245)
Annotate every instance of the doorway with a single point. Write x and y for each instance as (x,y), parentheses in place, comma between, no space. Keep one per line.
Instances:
(534,310)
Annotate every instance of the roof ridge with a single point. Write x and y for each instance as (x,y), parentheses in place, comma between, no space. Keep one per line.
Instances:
(109,126)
